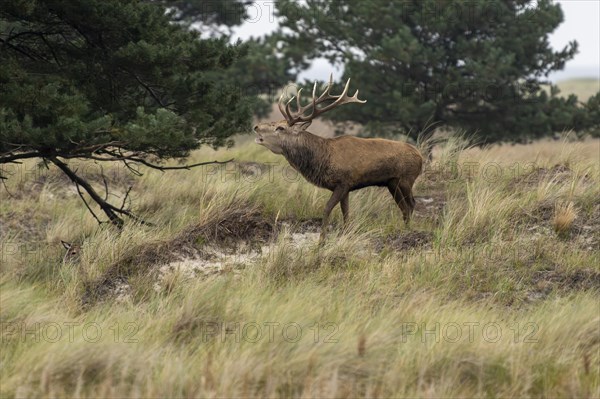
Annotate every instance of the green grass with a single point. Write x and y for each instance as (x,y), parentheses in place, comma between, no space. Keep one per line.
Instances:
(482,296)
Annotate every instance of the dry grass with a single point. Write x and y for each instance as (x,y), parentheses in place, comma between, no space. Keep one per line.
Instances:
(564,216)
(493,290)
(582,88)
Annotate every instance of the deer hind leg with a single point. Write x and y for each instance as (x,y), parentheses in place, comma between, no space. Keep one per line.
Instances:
(408,195)
(403,201)
(338,194)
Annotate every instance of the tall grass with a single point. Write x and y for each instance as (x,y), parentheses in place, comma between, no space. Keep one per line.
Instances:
(492,291)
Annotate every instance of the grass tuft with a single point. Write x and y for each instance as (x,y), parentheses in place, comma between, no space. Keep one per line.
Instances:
(564,216)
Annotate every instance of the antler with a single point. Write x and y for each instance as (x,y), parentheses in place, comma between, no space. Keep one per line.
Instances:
(298,116)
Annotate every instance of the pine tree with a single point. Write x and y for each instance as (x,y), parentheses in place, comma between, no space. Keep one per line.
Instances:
(478,65)
(111,80)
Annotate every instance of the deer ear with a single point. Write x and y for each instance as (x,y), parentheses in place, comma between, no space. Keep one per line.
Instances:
(301,127)
(66,244)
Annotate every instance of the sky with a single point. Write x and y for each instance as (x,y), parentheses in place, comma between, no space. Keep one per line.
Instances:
(582,23)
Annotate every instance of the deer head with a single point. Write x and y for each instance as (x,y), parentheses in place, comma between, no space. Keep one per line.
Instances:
(273,135)
(73,251)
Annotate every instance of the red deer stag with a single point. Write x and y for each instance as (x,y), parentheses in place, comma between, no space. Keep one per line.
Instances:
(341,164)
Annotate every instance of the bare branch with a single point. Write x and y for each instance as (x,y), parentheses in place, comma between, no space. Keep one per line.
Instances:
(105,183)
(24,155)
(101,152)
(125,198)
(105,206)
(87,205)
(132,169)
(186,167)
(133,158)
(17,49)
(148,89)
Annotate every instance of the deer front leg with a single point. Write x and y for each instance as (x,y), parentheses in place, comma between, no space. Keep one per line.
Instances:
(344,204)
(339,193)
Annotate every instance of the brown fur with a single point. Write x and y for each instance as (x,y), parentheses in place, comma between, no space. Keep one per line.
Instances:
(346,163)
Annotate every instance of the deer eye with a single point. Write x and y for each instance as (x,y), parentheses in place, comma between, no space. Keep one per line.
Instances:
(280,128)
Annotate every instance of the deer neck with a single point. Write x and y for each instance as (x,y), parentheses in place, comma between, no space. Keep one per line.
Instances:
(309,155)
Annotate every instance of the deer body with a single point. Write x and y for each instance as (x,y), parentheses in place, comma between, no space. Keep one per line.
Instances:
(351,161)
(345,163)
